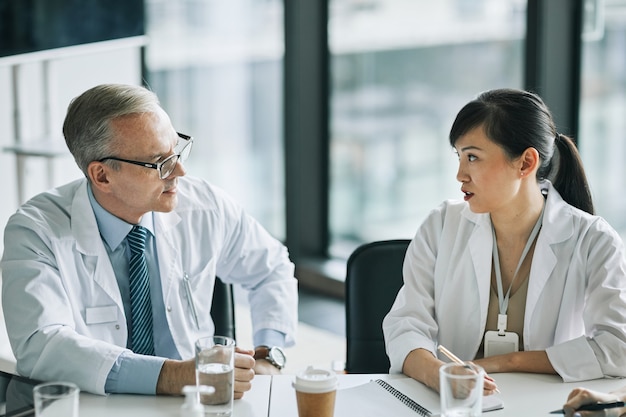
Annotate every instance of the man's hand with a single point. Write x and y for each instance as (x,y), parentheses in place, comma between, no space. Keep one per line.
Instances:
(244,371)
(176,374)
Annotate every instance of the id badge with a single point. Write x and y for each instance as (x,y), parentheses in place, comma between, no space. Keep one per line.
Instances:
(499,344)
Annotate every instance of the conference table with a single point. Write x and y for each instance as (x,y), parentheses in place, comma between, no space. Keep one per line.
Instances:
(255,403)
(273,396)
(522,394)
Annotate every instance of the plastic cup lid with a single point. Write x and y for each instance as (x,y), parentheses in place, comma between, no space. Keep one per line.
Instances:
(315,380)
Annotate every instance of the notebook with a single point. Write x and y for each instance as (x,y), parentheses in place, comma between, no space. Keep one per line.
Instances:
(402,397)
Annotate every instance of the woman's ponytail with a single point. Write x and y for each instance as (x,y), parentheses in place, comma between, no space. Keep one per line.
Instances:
(568,174)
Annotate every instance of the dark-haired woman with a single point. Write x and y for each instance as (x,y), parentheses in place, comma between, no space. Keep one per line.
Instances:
(520,275)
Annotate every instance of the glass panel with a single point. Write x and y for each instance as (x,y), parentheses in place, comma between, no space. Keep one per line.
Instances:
(217,68)
(401,70)
(602,137)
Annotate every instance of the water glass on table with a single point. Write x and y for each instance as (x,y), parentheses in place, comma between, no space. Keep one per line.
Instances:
(461,389)
(56,399)
(215,361)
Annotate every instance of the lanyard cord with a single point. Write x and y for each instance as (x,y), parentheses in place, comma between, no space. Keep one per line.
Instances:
(503,301)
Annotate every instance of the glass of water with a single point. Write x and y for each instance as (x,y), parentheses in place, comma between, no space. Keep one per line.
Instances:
(56,399)
(461,389)
(215,362)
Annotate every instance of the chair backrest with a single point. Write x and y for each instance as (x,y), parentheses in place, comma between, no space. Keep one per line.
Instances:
(223,309)
(373,278)
(4,383)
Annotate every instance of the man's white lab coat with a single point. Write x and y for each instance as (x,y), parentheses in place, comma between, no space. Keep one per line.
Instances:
(61,301)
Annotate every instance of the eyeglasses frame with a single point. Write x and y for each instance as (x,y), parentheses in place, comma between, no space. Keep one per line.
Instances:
(157,165)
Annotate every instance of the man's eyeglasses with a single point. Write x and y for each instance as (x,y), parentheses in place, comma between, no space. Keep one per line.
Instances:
(168,165)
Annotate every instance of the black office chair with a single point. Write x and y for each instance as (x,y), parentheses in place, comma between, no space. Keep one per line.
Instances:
(373,278)
(223,309)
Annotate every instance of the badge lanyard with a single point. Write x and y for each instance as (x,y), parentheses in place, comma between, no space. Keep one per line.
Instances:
(503,300)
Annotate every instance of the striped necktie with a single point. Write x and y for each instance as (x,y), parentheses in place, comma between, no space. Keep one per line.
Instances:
(140,304)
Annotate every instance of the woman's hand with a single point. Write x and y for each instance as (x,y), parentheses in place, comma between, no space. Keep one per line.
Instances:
(423,366)
(581,396)
(533,361)
(490,387)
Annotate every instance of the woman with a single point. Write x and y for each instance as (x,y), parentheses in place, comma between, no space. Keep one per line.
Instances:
(521,260)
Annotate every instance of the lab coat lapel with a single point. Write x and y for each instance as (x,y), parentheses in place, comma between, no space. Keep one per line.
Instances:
(557,227)
(480,247)
(168,249)
(96,262)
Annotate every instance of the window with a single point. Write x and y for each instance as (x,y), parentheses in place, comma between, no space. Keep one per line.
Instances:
(602,138)
(217,69)
(400,71)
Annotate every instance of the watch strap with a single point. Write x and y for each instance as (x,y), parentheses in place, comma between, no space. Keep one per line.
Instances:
(264,352)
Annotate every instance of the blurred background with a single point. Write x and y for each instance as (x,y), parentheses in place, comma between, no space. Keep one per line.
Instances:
(326,119)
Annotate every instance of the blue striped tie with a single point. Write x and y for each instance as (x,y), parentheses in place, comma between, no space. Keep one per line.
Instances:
(140,304)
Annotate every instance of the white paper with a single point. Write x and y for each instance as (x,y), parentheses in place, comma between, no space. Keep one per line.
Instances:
(372,400)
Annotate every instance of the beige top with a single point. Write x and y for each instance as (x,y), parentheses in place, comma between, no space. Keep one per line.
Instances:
(517,304)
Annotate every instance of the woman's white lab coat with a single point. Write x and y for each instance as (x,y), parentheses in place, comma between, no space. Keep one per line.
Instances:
(576,301)
(61,300)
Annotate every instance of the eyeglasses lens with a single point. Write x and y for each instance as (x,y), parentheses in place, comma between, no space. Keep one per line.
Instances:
(170,164)
(168,167)
(184,153)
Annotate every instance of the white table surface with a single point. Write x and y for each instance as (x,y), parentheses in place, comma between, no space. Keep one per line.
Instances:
(537,395)
(523,394)
(253,404)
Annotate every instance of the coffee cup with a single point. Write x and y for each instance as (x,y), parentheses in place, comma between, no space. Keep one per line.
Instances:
(315,392)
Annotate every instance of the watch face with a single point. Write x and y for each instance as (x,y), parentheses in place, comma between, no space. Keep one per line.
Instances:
(278,356)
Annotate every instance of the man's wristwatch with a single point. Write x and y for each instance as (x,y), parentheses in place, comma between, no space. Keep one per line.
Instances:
(273,355)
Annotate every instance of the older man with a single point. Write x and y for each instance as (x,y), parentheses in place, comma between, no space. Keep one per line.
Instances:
(108,280)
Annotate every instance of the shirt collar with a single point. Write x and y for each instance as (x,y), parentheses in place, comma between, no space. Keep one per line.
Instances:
(113,229)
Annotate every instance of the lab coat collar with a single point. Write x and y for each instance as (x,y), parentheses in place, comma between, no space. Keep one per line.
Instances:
(557,227)
(557,217)
(90,245)
(84,225)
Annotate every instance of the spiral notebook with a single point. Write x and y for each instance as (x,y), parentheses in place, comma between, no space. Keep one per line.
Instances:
(396,397)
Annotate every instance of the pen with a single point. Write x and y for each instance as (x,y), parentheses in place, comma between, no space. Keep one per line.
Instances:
(192,305)
(454,358)
(450,355)
(594,407)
